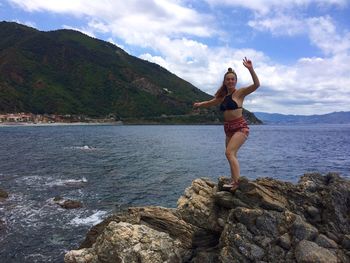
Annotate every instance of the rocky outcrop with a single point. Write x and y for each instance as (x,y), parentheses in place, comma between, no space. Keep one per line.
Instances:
(265,220)
(67,203)
(3,194)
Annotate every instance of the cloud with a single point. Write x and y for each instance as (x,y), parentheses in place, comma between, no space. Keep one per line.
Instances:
(312,85)
(263,7)
(203,66)
(321,31)
(324,35)
(142,18)
(27,23)
(300,87)
(176,36)
(281,24)
(290,18)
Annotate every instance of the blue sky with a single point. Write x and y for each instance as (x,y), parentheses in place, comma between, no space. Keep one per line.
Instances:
(300,48)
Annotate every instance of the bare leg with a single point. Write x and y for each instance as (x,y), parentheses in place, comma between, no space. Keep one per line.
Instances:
(232,146)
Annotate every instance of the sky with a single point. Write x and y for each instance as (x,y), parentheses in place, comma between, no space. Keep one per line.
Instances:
(300,49)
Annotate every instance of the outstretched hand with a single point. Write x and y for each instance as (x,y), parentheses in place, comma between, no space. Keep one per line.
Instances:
(196,105)
(247,63)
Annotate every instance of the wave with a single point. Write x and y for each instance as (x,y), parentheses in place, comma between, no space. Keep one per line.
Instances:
(37,257)
(30,180)
(83,148)
(93,219)
(68,182)
(39,181)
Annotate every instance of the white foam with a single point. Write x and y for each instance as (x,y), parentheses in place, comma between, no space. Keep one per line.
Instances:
(27,212)
(68,182)
(30,180)
(90,220)
(83,148)
(37,257)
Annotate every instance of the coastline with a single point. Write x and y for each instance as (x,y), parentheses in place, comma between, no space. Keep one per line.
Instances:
(32,124)
(262,221)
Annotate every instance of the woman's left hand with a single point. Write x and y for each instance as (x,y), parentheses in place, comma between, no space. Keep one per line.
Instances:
(247,63)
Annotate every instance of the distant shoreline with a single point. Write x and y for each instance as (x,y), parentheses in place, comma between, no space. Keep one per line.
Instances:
(24,124)
(31,124)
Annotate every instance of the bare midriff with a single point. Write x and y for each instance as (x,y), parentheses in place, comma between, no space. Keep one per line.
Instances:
(230,115)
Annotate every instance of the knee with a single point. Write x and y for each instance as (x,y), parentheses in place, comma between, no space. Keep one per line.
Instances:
(230,154)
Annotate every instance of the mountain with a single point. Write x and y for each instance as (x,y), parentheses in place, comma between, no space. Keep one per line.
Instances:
(330,118)
(67,72)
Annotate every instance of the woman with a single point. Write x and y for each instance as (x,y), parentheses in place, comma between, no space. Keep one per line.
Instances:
(235,126)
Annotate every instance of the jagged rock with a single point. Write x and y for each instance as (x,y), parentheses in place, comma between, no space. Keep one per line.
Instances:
(197,205)
(67,204)
(227,200)
(285,241)
(166,220)
(303,230)
(314,213)
(238,244)
(255,195)
(333,236)
(71,204)
(346,241)
(264,220)
(310,252)
(324,241)
(206,256)
(124,242)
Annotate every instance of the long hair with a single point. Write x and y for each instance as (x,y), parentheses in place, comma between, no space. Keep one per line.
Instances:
(222,91)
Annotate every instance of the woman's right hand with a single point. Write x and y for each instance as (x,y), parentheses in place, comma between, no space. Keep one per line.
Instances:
(196,105)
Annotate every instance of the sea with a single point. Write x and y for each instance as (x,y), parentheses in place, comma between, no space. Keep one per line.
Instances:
(111,167)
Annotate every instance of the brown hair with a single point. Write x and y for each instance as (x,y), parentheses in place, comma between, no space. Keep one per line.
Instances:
(222,91)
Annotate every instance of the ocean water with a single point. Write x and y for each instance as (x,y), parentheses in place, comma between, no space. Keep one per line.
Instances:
(109,168)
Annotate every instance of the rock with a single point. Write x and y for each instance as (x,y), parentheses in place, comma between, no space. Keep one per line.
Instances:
(166,220)
(325,242)
(197,206)
(256,195)
(71,204)
(333,236)
(263,241)
(205,257)
(314,213)
(346,242)
(303,230)
(67,204)
(268,223)
(124,242)
(227,200)
(3,194)
(264,220)
(161,219)
(308,185)
(238,243)
(310,252)
(285,241)
(333,196)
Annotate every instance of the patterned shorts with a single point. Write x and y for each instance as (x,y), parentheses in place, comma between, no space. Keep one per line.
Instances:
(236,125)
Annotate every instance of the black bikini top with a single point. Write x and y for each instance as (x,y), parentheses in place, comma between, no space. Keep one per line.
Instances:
(229,104)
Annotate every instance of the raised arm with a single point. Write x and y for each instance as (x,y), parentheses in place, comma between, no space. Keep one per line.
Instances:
(256,83)
(205,104)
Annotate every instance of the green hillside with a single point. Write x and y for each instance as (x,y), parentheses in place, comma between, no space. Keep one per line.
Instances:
(67,72)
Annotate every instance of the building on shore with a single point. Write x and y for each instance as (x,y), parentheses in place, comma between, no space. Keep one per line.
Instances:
(17,117)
